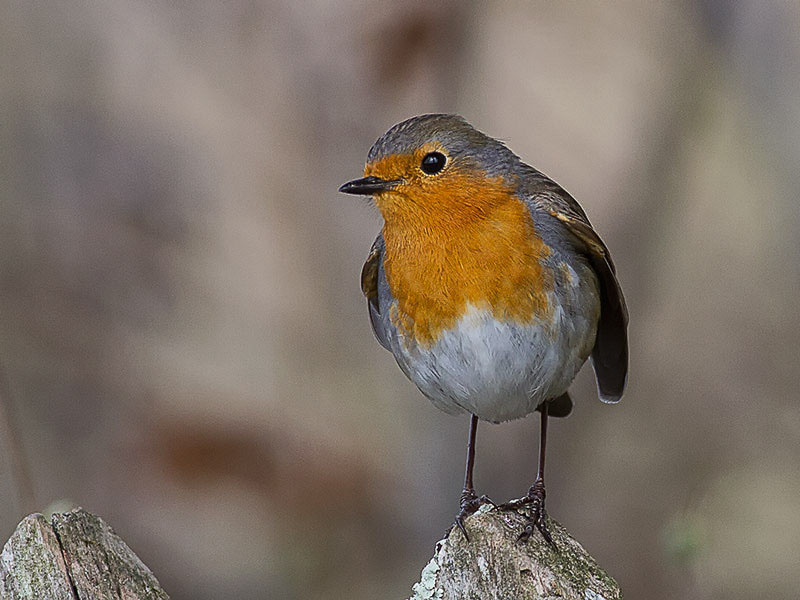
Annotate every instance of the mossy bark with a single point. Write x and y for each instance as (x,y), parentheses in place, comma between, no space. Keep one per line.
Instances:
(495,565)
(75,556)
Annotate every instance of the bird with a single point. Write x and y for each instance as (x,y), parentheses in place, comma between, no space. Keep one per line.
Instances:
(489,285)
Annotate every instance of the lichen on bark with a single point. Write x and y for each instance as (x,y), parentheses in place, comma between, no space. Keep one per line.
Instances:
(494,565)
(75,555)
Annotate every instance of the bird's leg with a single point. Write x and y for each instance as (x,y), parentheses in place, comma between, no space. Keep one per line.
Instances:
(534,499)
(470,502)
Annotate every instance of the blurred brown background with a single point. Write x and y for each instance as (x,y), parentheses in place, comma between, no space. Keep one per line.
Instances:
(187,351)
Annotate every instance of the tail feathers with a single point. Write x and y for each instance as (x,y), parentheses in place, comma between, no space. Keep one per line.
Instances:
(610,353)
(610,357)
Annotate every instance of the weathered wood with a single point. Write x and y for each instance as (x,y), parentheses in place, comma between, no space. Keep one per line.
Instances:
(494,565)
(76,556)
(31,564)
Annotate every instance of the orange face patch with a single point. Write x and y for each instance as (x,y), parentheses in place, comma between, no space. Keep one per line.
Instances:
(454,239)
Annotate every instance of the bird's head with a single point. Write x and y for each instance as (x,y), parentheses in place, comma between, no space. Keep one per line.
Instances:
(434,167)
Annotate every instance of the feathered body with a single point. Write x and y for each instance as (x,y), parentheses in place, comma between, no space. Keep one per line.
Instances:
(487,282)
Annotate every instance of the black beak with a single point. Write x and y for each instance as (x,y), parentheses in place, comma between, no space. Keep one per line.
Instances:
(366,186)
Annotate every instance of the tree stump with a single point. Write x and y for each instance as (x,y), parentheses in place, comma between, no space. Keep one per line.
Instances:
(75,556)
(495,565)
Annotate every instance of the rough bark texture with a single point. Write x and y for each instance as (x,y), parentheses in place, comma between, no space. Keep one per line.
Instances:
(494,565)
(76,556)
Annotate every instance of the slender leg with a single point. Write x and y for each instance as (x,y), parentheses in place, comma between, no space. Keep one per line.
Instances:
(473,430)
(542,445)
(469,501)
(536,494)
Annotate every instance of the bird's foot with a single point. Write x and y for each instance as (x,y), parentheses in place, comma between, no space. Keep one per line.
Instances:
(470,503)
(536,517)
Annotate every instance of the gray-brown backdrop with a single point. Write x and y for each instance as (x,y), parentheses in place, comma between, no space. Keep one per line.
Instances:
(183,336)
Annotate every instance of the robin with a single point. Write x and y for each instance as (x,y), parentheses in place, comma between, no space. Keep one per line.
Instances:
(488,284)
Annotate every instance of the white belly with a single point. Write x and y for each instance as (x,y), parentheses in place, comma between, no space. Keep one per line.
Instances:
(500,370)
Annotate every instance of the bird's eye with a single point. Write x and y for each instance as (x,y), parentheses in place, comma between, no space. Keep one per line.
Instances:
(433,163)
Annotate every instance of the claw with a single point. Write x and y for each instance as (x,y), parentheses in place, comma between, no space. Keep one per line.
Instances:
(486,500)
(460,524)
(537,519)
(470,503)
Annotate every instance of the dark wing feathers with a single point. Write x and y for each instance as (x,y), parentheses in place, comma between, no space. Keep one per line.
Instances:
(369,272)
(610,353)
(370,279)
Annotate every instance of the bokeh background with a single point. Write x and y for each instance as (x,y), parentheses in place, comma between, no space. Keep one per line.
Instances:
(185,350)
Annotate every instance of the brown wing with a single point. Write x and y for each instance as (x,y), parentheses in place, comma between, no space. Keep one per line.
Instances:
(369,273)
(370,280)
(610,353)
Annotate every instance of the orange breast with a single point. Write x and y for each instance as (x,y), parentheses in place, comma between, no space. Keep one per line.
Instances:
(471,243)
